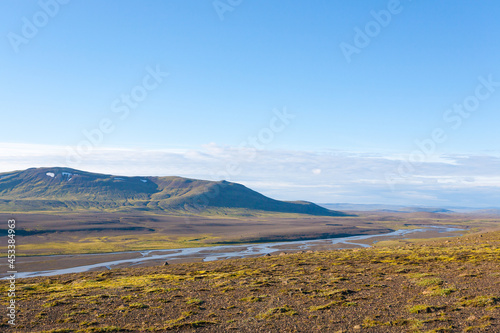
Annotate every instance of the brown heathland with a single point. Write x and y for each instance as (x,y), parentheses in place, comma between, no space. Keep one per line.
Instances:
(450,285)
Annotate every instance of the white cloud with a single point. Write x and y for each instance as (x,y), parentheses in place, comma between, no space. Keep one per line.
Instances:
(316,171)
(334,176)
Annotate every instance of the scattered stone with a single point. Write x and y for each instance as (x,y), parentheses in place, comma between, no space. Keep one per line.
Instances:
(166,263)
(282,254)
(267,255)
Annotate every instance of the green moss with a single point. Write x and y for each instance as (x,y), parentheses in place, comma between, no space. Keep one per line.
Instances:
(88,323)
(54,303)
(276,312)
(430,282)
(194,301)
(369,322)
(481,301)
(193,324)
(138,306)
(438,291)
(324,307)
(253,299)
(105,329)
(423,308)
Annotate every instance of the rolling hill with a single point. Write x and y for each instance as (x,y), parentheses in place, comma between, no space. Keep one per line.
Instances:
(65,189)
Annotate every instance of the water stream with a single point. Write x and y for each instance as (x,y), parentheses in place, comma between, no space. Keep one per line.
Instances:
(236,251)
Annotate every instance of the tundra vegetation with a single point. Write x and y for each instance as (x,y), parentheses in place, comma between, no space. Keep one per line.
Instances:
(437,285)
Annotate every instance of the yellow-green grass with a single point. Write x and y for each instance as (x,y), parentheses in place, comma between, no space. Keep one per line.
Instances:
(108,244)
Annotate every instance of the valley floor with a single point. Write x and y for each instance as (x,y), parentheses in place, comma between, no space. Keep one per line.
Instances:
(447,285)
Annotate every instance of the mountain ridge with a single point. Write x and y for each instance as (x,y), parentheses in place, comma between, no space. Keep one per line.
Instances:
(61,189)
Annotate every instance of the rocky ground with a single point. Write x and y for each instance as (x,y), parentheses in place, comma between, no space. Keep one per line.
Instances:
(434,286)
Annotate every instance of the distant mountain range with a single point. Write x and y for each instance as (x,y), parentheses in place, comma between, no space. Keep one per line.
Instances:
(410,209)
(65,189)
(385,208)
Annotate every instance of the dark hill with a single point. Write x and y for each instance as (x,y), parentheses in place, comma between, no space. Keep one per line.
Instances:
(60,189)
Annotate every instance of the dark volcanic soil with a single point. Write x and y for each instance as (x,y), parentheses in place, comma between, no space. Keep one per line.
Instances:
(436,286)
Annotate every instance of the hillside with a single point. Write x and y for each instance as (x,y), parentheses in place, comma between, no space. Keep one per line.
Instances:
(65,189)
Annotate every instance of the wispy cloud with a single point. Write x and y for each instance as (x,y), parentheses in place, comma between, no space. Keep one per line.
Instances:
(332,176)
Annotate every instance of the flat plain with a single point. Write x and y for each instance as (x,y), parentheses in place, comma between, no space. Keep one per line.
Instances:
(445,285)
(52,233)
(79,235)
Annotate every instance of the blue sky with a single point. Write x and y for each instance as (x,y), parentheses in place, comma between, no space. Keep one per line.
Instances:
(228,78)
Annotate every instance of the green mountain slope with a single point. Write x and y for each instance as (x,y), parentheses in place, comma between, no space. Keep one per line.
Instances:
(62,189)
